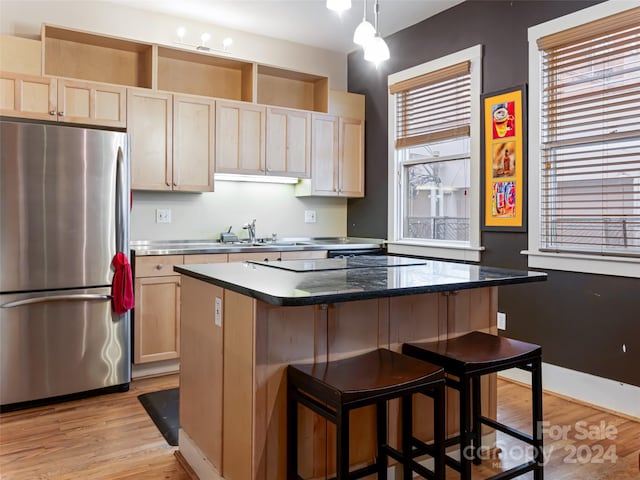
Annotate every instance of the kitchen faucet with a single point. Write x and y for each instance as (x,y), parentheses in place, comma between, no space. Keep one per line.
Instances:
(251,229)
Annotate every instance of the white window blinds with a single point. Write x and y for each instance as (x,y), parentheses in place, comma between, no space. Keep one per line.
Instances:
(433,107)
(590,165)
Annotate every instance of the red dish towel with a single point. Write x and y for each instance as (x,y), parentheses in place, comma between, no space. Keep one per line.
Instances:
(122,287)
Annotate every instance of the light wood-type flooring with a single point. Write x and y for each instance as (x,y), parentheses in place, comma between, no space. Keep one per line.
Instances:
(112,437)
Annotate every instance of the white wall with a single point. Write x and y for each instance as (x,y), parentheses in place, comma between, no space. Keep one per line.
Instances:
(205,215)
(197,216)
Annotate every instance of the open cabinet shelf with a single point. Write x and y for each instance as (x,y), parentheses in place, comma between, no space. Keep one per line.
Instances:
(286,88)
(203,74)
(98,58)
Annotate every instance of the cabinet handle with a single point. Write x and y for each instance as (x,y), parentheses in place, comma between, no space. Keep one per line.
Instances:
(52,112)
(61,114)
(175,184)
(167,183)
(159,266)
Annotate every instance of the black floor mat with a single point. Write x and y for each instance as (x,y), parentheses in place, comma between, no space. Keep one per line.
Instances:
(162,407)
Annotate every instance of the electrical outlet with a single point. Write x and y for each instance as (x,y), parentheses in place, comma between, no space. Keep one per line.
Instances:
(309,216)
(218,312)
(502,321)
(163,215)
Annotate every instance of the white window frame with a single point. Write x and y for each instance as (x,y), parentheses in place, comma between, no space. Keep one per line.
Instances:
(437,248)
(605,265)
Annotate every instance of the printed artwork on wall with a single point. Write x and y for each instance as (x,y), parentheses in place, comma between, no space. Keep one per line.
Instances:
(504,160)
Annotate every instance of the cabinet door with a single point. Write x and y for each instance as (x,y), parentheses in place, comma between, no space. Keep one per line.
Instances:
(27,96)
(240,142)
(193,143)
(150,127)
(157,319)
(254,256)
(92,103)
(288,142)
(324,154)
(351,170)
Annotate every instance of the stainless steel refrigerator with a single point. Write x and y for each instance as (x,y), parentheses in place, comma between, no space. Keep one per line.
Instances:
(64,213)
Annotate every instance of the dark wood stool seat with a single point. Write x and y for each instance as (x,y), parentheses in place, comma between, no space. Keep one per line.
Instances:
(468,357)
(333,389)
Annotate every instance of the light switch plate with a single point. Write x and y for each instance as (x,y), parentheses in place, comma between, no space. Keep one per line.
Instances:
(163,215)
(309,216)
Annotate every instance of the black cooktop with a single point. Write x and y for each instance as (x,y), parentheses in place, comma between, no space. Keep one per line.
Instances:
(343,263)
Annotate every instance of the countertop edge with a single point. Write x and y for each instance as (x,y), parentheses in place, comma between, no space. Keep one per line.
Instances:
(353,296)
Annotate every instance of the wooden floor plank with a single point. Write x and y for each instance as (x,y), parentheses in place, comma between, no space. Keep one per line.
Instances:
(112,437)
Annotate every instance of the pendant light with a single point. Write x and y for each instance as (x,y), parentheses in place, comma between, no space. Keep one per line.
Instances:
(376,50)
(339,5)
(365,31)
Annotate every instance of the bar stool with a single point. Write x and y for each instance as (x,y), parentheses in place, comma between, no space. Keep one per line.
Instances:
(333,389)
(468,357)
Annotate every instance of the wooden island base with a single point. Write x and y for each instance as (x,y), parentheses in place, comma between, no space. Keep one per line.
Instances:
(232,377)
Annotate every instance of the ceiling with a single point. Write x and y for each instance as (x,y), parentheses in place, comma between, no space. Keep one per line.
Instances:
(303,21)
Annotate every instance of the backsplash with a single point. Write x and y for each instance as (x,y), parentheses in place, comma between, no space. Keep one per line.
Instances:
(204,215)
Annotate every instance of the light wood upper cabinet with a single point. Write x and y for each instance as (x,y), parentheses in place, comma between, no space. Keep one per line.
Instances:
(150,127)
(171,141)
(28,96)
(337,156)
(193,143)
(288,147)
(92,103)
(240,139)
(325,154)
(351,158)
(57,99)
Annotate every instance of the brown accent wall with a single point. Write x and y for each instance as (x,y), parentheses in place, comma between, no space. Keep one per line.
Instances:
(581,320)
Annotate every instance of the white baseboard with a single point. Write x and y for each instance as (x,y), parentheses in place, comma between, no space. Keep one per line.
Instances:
(196,459)
(155,368)
(598,391)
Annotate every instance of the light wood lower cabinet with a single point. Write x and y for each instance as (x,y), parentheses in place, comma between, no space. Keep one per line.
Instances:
(157,319)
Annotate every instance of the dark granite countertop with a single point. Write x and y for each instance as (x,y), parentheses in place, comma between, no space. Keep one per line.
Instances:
(310,282)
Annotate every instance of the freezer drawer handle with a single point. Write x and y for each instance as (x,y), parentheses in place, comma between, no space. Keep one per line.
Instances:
(82,297)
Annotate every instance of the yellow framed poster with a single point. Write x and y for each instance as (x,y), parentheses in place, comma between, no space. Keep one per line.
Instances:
(504,163)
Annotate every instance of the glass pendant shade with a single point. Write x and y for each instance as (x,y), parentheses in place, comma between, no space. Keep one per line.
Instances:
(364,33)
(376,50)
(339,5)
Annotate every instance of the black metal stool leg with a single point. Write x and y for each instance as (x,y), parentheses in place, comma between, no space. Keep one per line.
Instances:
(439,420)
(407,432)
(342,444)
(536,390)
(292,434)
(465,428)
(476,431)
(381,415)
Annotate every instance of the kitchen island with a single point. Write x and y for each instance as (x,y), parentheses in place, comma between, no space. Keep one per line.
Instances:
(243,323)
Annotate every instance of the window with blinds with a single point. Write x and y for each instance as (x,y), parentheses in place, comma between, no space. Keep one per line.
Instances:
(590,146)
(433,107)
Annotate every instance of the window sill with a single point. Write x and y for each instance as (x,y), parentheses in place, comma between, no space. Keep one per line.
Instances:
(617,266)
(448,251)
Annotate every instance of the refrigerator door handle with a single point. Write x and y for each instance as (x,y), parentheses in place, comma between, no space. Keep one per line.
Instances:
(56,298)
(122,203)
